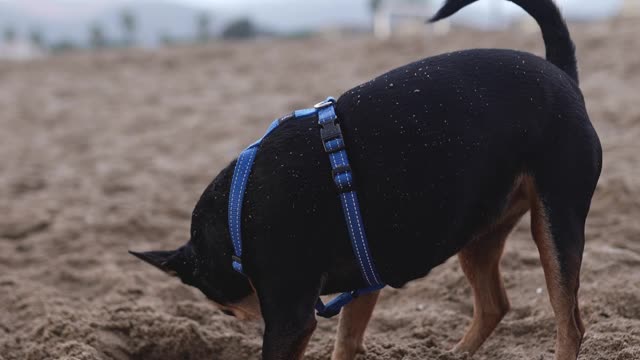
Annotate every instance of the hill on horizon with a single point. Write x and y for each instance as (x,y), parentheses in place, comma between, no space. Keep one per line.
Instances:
(157,18)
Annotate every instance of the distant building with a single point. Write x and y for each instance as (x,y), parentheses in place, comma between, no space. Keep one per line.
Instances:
(396,16)
(404,16)
(585,11)
(19,50)
(631,8)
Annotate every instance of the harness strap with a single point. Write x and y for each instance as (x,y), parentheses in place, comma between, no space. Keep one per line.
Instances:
(239,185)
(333,141)
(236,194)
(333,307)
(342,175)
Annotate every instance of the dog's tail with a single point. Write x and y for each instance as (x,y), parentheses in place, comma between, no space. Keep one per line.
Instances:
(559,47)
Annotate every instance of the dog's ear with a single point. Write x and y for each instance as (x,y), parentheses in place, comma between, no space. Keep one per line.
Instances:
(163,260)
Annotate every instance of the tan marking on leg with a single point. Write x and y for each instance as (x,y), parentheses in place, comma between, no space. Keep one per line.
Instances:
(578,317)
(562,288)
(353,322)
(490,302)
(480,261)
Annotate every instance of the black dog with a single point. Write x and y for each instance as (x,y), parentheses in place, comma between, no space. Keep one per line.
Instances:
(448,154)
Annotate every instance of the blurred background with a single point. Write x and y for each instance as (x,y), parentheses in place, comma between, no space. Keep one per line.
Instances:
(38,27)
(115,115)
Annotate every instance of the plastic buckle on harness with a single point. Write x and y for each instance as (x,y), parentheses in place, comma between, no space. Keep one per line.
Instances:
(329,131)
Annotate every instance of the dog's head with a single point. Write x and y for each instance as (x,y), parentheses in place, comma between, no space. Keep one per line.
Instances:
(205,262)
(230,291)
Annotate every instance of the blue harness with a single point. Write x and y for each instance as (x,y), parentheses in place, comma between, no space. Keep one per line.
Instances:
(334,146)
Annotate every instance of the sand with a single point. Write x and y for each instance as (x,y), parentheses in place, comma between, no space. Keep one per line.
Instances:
(100,153)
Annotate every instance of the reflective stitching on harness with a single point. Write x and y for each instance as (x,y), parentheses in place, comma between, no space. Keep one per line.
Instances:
(350,223)
(245,176)
(333,163)
(232,211)
(238,200)
(361,232)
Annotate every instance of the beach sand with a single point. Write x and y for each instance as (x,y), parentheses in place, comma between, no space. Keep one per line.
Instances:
(105,152)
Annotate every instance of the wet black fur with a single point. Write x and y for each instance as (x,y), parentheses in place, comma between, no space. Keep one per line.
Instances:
(435,146)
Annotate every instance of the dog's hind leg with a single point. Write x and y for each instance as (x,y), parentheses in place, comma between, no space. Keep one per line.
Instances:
(353,322)
(564,176)
(480,262)
(560,241)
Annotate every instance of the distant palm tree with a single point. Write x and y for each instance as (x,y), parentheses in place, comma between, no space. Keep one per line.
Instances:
(63,45)
(97,38)
(374,5)
(36,38)
(203,27)
(129,27)
(165,39)
(242,28)
(9,35)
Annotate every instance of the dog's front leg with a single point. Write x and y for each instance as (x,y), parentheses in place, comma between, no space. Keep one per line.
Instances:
(353,322)
(287,340)
(289,317)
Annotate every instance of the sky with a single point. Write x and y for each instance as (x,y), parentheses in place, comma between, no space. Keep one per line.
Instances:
(71,18)
(213,4)
(302,13)
(223,3)
(60,8)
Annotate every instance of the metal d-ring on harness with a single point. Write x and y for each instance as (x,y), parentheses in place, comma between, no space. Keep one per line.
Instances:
(342,175)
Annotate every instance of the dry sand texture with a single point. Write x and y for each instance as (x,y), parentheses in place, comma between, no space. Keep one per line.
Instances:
(100,153)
